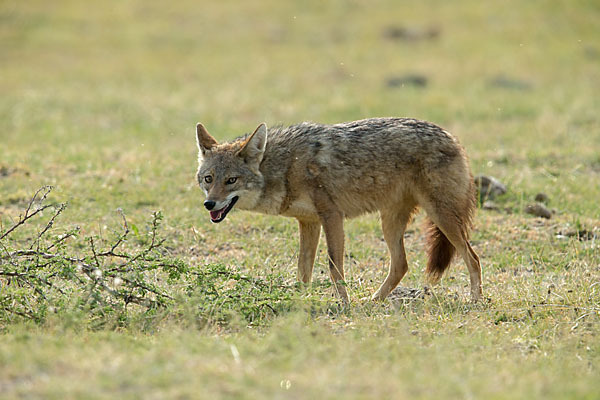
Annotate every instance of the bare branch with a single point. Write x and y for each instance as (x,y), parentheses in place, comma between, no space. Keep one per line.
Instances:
(120,240)
(24,219)
(19,313)
(61,239)
(27,216)
(59,210)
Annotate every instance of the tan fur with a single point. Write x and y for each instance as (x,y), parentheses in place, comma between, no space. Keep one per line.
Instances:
(322,174)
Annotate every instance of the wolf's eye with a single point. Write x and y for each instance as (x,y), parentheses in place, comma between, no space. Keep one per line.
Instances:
(208,179)
(231,181)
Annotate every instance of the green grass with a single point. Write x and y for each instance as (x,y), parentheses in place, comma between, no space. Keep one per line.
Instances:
(100,100)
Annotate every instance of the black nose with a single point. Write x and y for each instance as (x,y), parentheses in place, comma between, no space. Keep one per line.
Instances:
(209,204)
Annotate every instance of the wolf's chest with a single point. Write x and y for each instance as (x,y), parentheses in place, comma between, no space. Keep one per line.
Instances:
(300,206)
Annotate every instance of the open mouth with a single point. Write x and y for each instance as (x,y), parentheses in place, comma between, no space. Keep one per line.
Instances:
(217,216)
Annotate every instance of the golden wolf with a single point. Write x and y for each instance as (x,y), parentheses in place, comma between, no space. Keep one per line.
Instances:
(321,174)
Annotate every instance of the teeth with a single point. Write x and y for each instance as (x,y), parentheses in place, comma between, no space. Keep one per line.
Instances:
(217,214)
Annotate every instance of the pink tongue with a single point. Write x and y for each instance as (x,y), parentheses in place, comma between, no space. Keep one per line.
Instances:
(216,214)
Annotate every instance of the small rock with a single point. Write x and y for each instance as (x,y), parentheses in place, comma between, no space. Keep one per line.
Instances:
(510,83)
(490,206)
(488,187)
(406,80)
(539,210)
(401,292)
(582,235)
(5,171)
(592,53)
(542,198)
(411,34)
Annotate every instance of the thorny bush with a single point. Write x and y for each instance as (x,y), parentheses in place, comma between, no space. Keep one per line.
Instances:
(115,280)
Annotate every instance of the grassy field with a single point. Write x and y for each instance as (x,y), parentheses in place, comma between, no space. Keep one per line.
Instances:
(100,100)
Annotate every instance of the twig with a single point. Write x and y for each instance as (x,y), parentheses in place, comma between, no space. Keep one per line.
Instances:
(63,238)
(12,262)
(127,298)
(26,216)
(60,209)
(91,240)
(19,313)
(120,240)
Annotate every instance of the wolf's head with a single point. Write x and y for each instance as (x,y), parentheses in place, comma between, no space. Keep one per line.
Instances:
(229,172)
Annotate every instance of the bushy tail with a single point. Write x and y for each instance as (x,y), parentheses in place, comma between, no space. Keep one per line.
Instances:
(439,251)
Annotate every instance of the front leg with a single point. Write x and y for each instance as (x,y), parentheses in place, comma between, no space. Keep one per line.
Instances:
(332,220)
(309,240)
(333,225)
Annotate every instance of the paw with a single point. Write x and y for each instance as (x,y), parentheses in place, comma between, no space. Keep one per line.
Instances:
(476,296)
(377,297)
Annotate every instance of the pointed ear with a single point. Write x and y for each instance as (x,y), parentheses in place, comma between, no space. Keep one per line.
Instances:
(253,148)
(204,140)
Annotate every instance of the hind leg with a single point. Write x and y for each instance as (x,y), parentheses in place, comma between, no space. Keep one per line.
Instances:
(393,224)
(472,261)
(474,272)
(456,233)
